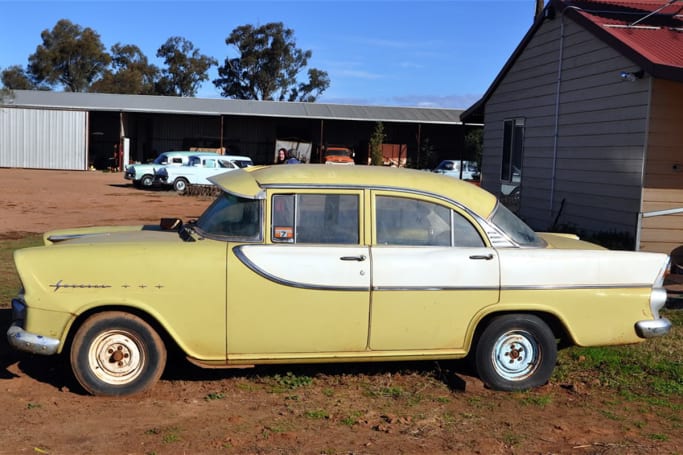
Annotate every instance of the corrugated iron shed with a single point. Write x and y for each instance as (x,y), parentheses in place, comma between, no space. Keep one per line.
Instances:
(205,106)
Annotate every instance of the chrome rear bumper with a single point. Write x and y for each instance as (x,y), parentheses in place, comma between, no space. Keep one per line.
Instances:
(653,328)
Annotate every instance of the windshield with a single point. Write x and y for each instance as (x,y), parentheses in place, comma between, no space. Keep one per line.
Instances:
(232,216)
(161,159)
(338,152)
(243,163)
(515,228)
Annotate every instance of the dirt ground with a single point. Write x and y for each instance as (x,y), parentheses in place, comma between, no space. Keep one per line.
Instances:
(414,408)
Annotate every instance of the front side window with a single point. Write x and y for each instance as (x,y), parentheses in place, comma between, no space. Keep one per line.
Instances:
(232,216)
(315,218)
(405,221)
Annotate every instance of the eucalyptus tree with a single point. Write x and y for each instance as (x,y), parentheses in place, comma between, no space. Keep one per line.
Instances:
(268,65)
(70,56)
(186,68)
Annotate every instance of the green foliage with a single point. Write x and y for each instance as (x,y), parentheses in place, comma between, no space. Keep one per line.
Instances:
(185,68)
(130,73)
(352,419)
(426,158)
(70,55)
(214,396)
(649,371)
(15,78)
(474,145)
(317,414)
(531,399)
(290,381)
(376,141)
(267,66)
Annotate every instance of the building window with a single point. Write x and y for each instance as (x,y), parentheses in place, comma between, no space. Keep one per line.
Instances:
(513,145)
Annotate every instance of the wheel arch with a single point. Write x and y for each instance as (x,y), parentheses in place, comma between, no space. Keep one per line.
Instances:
(159,328)
(553,321)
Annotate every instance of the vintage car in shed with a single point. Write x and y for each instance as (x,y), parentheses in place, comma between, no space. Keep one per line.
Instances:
(315,263)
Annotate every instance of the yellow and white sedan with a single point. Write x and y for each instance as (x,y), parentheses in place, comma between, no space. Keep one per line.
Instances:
(315,263)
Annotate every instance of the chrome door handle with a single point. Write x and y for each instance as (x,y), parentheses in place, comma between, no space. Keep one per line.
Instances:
(486,257)
(360,258)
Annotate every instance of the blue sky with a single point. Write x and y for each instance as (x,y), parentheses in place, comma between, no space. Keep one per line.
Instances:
(377,52)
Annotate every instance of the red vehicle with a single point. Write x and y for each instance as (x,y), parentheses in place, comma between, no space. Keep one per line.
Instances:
(338,155)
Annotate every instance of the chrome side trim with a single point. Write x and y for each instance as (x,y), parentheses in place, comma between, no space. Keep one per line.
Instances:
(548,287)
(434,288)
(21,340)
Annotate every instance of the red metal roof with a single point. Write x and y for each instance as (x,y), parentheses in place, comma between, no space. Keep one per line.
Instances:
(651,28)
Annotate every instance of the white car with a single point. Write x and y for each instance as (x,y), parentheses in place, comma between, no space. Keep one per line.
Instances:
(143,174)
(198,169)
(453,168)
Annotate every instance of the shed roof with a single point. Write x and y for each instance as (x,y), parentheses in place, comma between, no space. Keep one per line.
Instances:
(206,106)
(648,32)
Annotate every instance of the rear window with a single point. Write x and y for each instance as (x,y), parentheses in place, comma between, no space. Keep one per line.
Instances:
(515,228)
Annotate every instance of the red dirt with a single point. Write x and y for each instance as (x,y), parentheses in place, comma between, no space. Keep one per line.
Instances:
(414,408)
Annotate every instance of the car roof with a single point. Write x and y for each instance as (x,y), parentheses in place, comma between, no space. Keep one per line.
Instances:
(183,152)
(252,182)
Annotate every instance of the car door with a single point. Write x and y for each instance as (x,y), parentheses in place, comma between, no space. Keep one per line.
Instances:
(431,273)
(305,291)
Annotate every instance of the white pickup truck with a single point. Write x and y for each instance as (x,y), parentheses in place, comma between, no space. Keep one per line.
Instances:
(198,169)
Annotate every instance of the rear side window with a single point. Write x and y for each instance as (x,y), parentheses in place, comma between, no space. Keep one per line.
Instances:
(315,218)
(405,221)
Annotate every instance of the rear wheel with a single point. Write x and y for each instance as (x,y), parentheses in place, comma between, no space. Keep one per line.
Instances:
(180,185)
(515,352)
(116,353)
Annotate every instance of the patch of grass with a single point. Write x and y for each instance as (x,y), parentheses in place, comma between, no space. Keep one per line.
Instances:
(511,438)
(33,406)
(352,419)
(389,392)
(651,371)
(541,401)
(9,280)
(610,415)
(658,437)
(290,381)
(169,435)
(328,392)
(317,414)
(214,396)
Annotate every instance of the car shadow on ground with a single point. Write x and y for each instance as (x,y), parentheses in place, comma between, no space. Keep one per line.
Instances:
(47,369)
(449,372)
(55,371)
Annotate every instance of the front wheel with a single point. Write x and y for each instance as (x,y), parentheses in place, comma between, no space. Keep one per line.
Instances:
(116,353)
(147,181)
(515,352)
